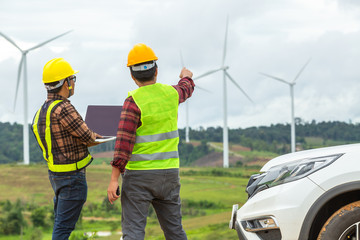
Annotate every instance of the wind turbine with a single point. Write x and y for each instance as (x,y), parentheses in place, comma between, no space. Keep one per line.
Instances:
(291,85)
(23,62)
(225,76)
(187,137)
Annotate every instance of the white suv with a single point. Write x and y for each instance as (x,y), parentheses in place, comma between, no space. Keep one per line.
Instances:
(313,194)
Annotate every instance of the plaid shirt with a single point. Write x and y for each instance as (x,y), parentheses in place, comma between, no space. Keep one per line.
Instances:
(70,134)
(130,120)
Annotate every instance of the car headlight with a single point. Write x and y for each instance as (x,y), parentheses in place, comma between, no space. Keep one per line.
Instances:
(289,172)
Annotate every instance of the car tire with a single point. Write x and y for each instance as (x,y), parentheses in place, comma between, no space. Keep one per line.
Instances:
(342,224)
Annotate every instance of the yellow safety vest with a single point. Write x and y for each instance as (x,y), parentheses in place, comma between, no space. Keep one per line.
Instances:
(157,139)
(47,153)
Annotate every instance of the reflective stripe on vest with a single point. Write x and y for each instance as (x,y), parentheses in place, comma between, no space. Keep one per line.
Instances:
(157,156)
(47,154)
(157,139)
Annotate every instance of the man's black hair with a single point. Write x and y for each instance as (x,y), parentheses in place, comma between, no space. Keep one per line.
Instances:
(144,76)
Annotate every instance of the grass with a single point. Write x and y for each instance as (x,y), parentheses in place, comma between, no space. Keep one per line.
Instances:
(10,237)
(217,186)
(317,142)
(314,141)
(31,184)
(213,189)
(336,143)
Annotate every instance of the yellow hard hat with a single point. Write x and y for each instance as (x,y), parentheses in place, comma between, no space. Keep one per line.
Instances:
(140,53)
(56,70)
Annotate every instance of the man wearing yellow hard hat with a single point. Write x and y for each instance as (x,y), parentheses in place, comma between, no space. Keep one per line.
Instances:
(64,139)
(146,149)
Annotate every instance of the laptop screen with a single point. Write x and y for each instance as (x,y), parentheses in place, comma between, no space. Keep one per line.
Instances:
(103,120)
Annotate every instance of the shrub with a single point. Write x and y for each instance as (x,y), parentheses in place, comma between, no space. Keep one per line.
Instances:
(38,216)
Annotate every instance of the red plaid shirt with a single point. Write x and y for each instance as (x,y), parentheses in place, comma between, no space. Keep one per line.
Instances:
(130,121)
(70,134)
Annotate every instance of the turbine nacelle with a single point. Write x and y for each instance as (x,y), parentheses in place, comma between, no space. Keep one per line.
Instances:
(225,68)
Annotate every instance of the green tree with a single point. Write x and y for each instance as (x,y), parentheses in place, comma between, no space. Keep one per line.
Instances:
(38,216)
(14,222)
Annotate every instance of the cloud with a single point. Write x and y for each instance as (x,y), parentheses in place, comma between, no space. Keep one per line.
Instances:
(264,36)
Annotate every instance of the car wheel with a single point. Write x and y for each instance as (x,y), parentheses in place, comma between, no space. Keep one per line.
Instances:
(343,224)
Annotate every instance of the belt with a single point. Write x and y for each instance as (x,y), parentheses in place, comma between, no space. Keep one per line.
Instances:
(83,170)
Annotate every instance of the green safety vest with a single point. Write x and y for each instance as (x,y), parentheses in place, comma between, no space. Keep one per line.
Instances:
(157,139)
(47,152)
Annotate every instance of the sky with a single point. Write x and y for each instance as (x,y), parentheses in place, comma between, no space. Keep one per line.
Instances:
(276,37)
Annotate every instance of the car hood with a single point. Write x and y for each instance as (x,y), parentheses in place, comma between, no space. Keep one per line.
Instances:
(283,159)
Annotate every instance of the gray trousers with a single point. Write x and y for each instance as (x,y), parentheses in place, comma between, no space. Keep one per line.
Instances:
(161,188)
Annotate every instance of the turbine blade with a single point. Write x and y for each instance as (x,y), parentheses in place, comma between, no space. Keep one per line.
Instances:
(276,78)
(11,41)
(182,59)
(18,79)
(203,89)
(236,84)
(43,43)
(225,41)
(207,73)
(301,70)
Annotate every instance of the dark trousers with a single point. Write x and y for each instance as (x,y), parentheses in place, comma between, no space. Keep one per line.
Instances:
(70,195)
(161,188)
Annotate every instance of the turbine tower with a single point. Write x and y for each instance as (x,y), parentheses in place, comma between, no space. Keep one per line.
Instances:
(24,63)
(291,85)
(187,138)
(225,76)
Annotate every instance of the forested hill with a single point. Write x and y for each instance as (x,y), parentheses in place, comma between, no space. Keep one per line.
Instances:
(274,138)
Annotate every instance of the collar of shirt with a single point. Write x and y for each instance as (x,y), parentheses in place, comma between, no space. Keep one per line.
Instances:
(55,96)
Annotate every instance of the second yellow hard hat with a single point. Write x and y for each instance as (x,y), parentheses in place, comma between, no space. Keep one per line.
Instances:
(140,53)
(56,70)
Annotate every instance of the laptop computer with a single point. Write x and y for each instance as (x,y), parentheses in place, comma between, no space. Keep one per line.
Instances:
(104,120)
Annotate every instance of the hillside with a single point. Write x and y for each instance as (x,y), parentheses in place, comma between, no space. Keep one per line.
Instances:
(238,156)
(213,159)
(248,146)
(206,213)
